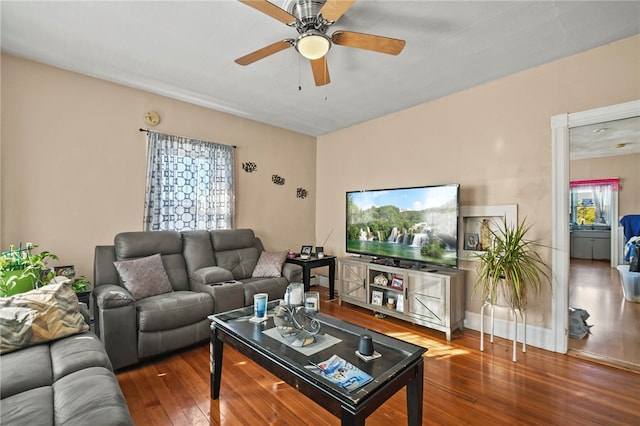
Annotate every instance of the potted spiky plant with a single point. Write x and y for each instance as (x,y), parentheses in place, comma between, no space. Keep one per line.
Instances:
(510,267)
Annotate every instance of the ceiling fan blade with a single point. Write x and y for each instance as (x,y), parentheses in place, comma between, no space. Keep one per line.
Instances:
(334,9)
(391,46)
(264,52)
(272,10)
(320,71)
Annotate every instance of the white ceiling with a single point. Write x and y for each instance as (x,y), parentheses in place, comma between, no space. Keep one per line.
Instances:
(620,137)
(185,50)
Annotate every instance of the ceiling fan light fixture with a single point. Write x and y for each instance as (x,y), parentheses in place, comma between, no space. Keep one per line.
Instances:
(313,44)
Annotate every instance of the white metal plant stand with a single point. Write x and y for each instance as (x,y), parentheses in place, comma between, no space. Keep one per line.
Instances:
(514,312)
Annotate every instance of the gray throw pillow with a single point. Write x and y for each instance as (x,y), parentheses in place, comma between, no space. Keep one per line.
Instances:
(269,265)
(144,277)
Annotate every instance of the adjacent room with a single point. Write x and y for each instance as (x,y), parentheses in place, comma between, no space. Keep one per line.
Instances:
(319,186)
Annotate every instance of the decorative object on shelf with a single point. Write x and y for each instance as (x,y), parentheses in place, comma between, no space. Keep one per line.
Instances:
(391,303)
(249,167)
(511,265)
(22,270)
(305,252)
(297,326)
(380,280)
(67,271)
(152,118)
(485,235)
(278,180)
(376,297)
(294,294)
(320,252)
(397,283)
(301,193)
(471,241)
(400,302)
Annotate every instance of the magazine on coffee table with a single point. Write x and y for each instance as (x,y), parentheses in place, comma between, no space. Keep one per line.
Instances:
(342,373)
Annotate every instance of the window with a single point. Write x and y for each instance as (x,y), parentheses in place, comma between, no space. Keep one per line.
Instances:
(591,202)
(189,184)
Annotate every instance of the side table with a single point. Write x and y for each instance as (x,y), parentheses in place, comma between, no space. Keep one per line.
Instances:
(316,262)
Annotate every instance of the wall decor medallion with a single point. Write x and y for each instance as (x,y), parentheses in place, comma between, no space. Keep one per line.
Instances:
(249,167)
(278,180)
(152,118)
(301,193)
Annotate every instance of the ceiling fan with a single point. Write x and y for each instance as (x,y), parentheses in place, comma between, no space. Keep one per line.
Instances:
(312,19)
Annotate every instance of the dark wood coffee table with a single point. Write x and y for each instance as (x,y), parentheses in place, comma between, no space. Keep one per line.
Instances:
(401,364)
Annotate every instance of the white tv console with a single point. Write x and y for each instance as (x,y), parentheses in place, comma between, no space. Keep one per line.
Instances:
(430,296)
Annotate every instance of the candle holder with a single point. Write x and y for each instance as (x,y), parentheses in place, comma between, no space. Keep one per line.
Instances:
(295,325)
(294,295)
(312,301)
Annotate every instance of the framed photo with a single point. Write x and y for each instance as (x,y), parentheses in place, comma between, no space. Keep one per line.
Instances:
(400,302)
(65,271)
(319,250)
(397,283)
(376,297)
(471,241)
(305,252)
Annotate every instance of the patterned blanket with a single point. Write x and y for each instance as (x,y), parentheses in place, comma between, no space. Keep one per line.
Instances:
(41,315)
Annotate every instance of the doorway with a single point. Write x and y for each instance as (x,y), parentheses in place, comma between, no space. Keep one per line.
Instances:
(560,125)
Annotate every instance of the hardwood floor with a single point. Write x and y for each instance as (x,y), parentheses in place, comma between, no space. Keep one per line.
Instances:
(615,334)
(461,386)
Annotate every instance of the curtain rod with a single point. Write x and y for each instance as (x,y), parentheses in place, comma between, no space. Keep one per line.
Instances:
(147,130)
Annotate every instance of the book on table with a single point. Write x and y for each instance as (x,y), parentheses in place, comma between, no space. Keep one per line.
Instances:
(341,372)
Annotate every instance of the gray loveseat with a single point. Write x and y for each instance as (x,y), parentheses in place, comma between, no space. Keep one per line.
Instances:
(63,382)
(208,271)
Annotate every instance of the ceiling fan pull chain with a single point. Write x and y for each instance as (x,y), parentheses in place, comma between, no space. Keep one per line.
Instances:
(299,74)
(325,86)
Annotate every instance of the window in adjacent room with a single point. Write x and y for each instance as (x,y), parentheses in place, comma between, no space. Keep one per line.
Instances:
(189,184)
(591,202)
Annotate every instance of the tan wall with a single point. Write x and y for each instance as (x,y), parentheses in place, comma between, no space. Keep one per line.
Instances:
(73,163)
(494,140)
(626,167)
(86,157)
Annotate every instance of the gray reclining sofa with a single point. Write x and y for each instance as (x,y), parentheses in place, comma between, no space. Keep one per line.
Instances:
(67,382)
(209,272)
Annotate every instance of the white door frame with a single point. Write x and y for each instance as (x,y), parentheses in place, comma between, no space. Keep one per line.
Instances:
(560,125)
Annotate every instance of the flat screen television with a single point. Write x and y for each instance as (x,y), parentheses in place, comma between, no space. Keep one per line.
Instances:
(418,225)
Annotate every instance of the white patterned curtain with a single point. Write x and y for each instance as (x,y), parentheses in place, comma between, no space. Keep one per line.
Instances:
(189,184)
(594,195)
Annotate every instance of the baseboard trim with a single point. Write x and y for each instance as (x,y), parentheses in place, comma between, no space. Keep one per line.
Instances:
(603,359)
(538,337)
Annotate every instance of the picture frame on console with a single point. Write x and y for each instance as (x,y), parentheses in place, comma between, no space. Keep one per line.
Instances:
(397,283)
(376,297)
(305,252)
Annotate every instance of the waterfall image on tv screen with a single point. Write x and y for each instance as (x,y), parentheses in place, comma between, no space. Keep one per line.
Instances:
(416,224)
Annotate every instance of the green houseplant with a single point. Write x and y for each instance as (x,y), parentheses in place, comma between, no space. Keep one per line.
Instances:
(510,267)
(82,286)
(22,270)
